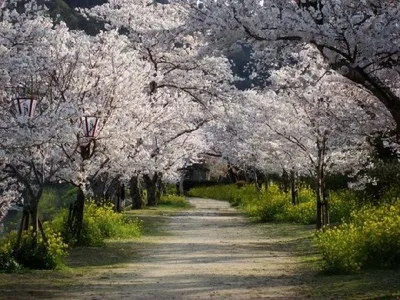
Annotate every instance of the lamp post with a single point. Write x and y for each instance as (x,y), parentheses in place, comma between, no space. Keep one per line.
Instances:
(25,109)
(26,106)
(89,128)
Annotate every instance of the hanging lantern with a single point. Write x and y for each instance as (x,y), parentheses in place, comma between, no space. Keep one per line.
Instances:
(89,124)
(26,107)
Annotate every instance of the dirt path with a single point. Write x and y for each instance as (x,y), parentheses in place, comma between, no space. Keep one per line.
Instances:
(210,252)
(213,253)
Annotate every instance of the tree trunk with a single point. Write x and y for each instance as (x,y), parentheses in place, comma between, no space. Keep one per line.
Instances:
(122,196)
(163,188)
(267,181)
(24,226)
(33,208)
(151,193)
(30,216)
(325,201)
(293,188)
(159,188)
(181,186)
(78,214)
(231,174)
(136,192)
(119,197)
(319,221)
(258,180)
(322,199)
(34,216)
(153,186)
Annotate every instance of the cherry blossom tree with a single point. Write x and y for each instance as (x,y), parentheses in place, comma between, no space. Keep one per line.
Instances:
(28,160)
(358,39)
(323,128)
(72,77)
(181,77)
(315,126)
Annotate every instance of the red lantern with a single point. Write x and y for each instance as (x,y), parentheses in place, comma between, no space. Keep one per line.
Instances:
(26,107)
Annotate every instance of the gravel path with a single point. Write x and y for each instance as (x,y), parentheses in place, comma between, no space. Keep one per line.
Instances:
(213,252)
(209,252)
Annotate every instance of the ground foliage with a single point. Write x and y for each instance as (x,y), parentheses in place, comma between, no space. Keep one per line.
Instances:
(34,252)
(370,239)
(38,252)
(99,223)
(272,204)
(174,201)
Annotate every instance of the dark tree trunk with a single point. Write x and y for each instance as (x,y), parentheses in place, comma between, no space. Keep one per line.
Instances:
(159,188)
(34,216)
(31,210)
(325,202)
(321,191)
(151,193)
(112,192)
(24,225)
(258,179)
(152,186)
(30,216)
(285,182)
(78,214)
(231,174)
(122,195)
(181,187)
(119,197)
(319,221)
(117,202)
(293,187)
(266,182)
(136,192)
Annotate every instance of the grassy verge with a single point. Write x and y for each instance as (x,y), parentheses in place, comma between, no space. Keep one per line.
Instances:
(169,204)
(274,205)
(373,284)
(366,284)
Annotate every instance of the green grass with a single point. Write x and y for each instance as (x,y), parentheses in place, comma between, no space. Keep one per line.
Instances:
(168,206)
(367,284)
(174,201)
(376,284)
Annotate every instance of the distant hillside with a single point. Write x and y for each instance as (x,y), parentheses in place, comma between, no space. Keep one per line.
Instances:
(84,3)
(64,10)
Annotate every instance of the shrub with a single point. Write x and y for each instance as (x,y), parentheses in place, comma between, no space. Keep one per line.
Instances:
(34,252)
(231,193)
(174,200)
(275,205)
(341,249)
(303,213)
(342,204)
(371,238)
(171,189)
(270,205)
(99,223)
(7,260)
(55,198)
(380,228)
